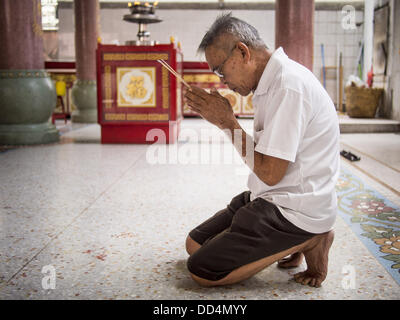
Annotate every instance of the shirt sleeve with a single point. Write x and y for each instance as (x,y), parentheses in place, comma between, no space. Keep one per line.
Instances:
(284,125)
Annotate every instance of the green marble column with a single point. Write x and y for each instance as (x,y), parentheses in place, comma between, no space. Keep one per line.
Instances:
(27,94)
(27,99)
(84,95)
(84,91)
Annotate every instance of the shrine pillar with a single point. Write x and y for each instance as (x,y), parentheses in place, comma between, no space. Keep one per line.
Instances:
(27,94)
(294,29)
(84,91)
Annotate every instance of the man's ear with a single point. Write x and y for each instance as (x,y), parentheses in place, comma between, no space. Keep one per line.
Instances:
(244,50)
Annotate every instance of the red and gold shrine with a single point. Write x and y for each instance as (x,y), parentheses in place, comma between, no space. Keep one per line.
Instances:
(136,94)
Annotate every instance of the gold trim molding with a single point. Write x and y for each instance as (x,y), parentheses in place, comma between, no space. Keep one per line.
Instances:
(134,56)
(136,116)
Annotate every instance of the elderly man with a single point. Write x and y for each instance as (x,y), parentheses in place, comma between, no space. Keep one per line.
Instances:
(290,207)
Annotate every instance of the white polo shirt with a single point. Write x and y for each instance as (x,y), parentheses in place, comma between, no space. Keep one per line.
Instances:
(295,119)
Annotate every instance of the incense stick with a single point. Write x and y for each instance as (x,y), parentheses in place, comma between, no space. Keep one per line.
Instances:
(170,69)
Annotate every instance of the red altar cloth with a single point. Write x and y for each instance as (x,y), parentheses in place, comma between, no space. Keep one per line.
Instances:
(136,94)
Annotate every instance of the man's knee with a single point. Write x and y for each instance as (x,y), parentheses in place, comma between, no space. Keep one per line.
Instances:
(191,245)
(191,263)
(194,265)
(203,271)
(203,282)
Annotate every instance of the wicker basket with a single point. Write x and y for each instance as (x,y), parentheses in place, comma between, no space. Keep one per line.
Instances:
(362,102)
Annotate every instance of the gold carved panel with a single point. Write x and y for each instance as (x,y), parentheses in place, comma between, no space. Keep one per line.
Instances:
(136,87)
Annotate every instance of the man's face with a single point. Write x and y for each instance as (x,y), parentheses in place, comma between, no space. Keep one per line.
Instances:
(231,67)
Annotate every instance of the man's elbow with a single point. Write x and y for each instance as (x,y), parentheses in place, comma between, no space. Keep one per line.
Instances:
(270,170)
(272,181)
(268,178)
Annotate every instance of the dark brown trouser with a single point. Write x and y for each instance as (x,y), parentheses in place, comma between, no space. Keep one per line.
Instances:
(244,232)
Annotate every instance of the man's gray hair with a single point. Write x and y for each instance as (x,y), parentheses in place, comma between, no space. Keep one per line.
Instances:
(226,24)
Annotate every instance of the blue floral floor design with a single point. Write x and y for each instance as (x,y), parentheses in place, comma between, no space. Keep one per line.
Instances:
(373,218)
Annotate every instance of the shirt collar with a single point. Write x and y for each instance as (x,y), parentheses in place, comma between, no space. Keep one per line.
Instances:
(270,71)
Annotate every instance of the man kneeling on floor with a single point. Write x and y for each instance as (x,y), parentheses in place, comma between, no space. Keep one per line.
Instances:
(290,208)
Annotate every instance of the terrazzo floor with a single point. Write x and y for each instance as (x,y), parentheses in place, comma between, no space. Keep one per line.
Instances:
(82,220)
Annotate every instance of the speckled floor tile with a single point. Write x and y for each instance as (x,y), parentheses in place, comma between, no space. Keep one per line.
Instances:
(105,256)
(379,166)
(47,188)
(122,236)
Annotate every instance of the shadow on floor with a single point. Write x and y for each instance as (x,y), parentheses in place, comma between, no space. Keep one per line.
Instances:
(267,281)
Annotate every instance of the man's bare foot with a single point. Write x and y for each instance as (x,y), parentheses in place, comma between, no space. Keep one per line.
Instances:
(316,254)
(291,262)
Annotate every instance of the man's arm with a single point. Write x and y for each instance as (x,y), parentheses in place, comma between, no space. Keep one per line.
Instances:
(217,110)
(268,169)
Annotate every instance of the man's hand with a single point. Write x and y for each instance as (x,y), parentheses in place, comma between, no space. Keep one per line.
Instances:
(211,106)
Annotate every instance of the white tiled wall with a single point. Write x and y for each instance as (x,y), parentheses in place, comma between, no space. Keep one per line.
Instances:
(189,26)
(328,31)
